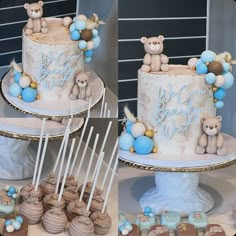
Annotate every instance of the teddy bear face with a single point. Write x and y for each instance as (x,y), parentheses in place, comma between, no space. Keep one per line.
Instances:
(82,79)
(153,45)
(34,10)
(212,125)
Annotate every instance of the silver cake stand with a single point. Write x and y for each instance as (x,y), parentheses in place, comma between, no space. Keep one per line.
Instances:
(177,182)
(49,109)
(18,153)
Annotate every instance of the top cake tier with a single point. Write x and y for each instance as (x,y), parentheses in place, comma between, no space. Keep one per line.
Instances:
(57,34)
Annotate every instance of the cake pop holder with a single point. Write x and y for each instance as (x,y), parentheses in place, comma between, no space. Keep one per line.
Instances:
(54,108)
(177,182)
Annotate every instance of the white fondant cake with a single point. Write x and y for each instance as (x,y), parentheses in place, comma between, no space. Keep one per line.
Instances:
(173,103)
(52,60)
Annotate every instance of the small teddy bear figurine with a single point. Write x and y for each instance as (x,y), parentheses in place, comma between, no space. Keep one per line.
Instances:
(36,23)
(211,141)
(81,89)
(154,61)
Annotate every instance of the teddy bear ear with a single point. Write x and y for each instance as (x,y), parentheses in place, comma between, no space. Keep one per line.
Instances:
(88,73)
(219,118)
(143,39)
(161,37)
(40,3)
(203,120)
(26,5)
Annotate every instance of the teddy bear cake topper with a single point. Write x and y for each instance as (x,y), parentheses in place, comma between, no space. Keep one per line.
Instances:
(36,23)
(154,60)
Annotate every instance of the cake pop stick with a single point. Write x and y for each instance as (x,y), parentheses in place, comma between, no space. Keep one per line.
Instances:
(41,162)
(109,186)
(103,145)
(39,151)
(71,109)
(105,110)
(84,152)
(109,164)
(103,99)
(89,167)
(108,113)
(62,159)
(81,139)
(61,147)
(66,171)
(101,156)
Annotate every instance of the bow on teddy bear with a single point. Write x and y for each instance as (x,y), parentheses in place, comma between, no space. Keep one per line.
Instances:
(36,23)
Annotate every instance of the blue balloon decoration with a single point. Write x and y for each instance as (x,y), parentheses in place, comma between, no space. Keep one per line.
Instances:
(143,145)
(126,141)
(17,77)
(198,62)
(122,227)
(219,94)
(12,189)
(219,104)
(15,89)
(16,225)
(29,94)
(96,40)
(9,194)
(95,32)
(148,209)
(87,59)
(20,219)
(208,56)
(80,24)
(129,128)
(8,222)
(229,80)
(72,27)
(226,66)
(129,227)
(75,35)
(201,69)
(88,53)
(210,78)
(82,44)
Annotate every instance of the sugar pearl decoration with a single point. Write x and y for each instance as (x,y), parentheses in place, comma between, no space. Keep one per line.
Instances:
(149,133)
(24,81)
(138,129)
(219,81)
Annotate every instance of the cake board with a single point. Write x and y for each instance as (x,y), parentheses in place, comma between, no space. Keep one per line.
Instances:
(52,109)
(177,182)
(17,157)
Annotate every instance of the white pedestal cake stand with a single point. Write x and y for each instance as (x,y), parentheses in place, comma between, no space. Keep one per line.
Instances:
(17,153)
(177,182)
(42,108)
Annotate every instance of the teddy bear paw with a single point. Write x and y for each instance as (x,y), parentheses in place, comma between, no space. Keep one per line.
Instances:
(44,30)
(164,67)
(200,150)
(145,68)
(221,152)
(28,31)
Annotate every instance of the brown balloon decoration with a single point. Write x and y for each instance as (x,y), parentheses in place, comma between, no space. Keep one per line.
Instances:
(86,35)
(215,67)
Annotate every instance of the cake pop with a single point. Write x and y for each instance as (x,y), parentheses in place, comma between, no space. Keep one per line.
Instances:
(55,220)
(83,225)
(159,230)
(102,221)
(51,200)
(48,186)
(77,207)
(32,208)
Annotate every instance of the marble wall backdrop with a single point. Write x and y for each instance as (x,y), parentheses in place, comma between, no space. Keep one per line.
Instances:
(222,37)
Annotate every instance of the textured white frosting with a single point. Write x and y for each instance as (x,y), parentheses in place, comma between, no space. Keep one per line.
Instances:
(173,103)
(52,60)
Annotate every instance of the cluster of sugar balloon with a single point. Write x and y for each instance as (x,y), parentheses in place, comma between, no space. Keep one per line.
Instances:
(11,191)
(217,74)
(14,224)
(87,35)
(125,228)
(137,138)
(23,87)
(148,211)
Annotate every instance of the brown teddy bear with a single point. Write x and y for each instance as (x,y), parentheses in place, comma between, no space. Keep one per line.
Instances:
(211,141)
(154,61)
(81,89)
(36,23)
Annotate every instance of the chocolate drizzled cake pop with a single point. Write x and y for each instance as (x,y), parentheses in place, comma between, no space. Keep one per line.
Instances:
(71,192)
(49,185)
(51,200)
(28,190)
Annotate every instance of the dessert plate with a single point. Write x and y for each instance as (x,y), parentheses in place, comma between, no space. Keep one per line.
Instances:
(183,163)
(30,128)
(42,108)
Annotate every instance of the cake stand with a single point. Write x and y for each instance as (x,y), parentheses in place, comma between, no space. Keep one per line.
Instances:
(18,153)
(177,182)
(49,109)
